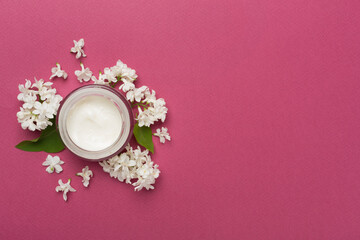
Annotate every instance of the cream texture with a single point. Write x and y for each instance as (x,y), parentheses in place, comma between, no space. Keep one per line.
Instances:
(94,123)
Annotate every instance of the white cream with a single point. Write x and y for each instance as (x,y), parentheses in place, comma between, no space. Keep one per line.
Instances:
(94,123)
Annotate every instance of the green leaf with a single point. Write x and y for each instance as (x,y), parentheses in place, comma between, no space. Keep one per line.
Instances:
(49,141)
(143,136)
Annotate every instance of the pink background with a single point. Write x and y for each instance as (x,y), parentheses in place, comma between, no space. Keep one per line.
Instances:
(264,113)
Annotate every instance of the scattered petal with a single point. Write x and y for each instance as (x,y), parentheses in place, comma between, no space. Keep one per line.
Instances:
(57,72)
(78,48)
(65,188)
(53,163)
(162,134)
(85,174)
(84,74)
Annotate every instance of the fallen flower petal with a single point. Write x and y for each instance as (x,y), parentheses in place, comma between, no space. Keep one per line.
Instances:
(65,188)
(85,174)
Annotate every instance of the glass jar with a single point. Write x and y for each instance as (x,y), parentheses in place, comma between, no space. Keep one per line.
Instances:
(121,104)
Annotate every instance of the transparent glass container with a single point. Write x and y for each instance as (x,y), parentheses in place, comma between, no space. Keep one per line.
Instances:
(122,105)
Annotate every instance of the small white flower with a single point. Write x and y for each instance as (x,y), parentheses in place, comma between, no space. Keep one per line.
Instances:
(124,72)
(84,74)
(136,94)
(85,174)
(43,109)
(150,96)
(53,163)
(145,118)
(78,48)
(162,134)
(133,164)
(65,188)
(44,89)
(159,109)
(144,183)
(109,75)
(25,91)
(29,101)
(127,86)
(106,166)
(101,80)
(27,119)
(122,167)
(57,72)
(41,84)
(130,95)
(147,174)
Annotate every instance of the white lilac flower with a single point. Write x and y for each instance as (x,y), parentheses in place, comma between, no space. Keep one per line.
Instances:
(78,48)
(109,75)
(130,95)
(154,109)
(29,101)
(57,72)
(84,74)
(27,119)
(124,72)
(140,156)
(40,104)
(42,109)
(159,110)
(140,93)
(122,166)
(53,104)
(162,134)
(133,164)
(101,80)
(149,96)
(127,86)
(147,174)
(136,94)
(86,173)
(65,188)
(25,91)
(44,89)
(119,72)
(151,110)
(53,163)
(145,118)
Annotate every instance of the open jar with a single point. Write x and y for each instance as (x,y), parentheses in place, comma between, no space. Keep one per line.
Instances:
(95,122)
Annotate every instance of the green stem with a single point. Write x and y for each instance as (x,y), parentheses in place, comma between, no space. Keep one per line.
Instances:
(113,84)
(140,104)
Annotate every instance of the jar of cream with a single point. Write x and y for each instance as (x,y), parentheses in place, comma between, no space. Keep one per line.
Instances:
(95,122)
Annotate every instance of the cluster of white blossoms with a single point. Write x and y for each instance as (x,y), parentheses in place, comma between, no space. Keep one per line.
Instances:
(150,109)
(133,164)
(119,72)
(40,104)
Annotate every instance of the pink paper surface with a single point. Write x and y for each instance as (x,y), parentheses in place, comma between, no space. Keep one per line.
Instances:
(264,115)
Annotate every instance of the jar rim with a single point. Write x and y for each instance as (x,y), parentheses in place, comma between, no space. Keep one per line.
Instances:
(121,103)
